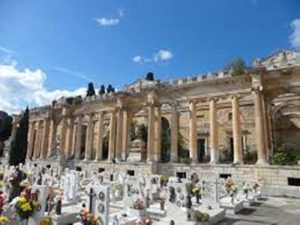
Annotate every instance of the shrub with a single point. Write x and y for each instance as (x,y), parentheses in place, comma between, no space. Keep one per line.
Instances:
(250,157)
(285,155)
(284,158)
(185,160)
(225,156)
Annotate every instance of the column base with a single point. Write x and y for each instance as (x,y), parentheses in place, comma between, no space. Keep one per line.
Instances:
(238,162)
(261,162)
(118,160)
(213,162)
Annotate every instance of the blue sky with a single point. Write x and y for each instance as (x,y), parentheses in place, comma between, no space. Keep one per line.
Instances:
(116,42)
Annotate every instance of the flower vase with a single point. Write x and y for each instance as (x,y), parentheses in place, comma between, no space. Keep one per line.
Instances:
(246,195)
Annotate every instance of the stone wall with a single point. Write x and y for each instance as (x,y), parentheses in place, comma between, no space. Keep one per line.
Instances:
(273,179)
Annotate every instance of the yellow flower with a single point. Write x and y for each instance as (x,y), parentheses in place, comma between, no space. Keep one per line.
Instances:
(26,207)
(22,200)
(4,220)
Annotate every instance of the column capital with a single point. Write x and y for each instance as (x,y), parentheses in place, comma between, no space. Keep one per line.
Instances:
(257,90)
(235,97)
(215,99)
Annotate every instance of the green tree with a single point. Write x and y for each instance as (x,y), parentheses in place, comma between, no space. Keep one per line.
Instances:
(90,91)
(5,129)
(18,149)
(142,132)
(132,131)
(237,67)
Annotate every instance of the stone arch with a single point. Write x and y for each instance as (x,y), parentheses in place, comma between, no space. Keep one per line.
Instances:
(138,124)
(285,120)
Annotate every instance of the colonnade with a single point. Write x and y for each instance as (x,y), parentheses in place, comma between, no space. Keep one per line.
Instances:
(42,133)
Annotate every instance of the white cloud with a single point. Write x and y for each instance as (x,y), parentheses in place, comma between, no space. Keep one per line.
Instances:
(137,59)
(7,51)
(19,88)
(71,72)
(107,21)
(295,36)
(161,55)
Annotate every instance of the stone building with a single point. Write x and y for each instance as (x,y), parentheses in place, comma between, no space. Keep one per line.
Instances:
(208,116)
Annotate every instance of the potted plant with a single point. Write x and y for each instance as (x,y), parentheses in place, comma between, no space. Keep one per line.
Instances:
(137,209)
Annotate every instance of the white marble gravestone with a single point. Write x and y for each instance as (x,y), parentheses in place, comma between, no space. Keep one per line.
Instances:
(42,198)
(98,201)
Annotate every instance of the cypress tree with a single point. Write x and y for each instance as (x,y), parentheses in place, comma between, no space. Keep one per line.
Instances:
(102,90)
(90,91)
(109,88)
(18,149)
(5,129)
(150,76)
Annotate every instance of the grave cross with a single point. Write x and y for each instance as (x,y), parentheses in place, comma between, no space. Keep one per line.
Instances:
(91,196)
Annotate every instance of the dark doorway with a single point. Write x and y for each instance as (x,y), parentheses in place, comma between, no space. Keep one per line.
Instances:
(82,146)
(165,140)
(33,141)
(201,149)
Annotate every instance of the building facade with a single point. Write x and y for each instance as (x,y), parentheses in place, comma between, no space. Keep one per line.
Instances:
(217,120)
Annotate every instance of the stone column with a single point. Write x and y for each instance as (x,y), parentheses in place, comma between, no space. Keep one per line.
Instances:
(150,139)
(119,135)
(267,126)
(100,136)
(237,133)
(259,128)
(125,134)
(112,136)
(30,140)
(214,152)
(193,132)
(89,137)
(157,132)
(52,137)
(45,139)
(37,144)
(69,141)
(63,131)
(174,134)
(78,136)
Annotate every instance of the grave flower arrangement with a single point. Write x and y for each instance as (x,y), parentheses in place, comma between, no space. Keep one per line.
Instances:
(138,204)
(246,188)
(230,187)
(200,216)
(3,219)
(87,218)
(255,187)
(45,221)
(145,221)
(26,204)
